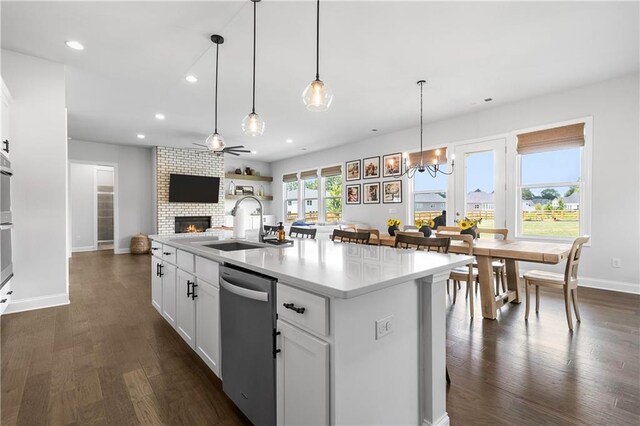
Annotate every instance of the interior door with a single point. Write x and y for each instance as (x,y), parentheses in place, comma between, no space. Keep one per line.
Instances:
(480,186)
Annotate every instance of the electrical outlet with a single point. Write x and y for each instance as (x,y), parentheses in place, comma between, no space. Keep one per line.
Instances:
(384,326)
(616,262)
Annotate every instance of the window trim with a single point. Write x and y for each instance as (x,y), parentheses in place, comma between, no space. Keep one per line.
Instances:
(586,165)
(320,198)
(286,201)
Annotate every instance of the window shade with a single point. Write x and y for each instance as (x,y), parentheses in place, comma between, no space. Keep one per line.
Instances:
(291,177)
(429,157)
(309,174)
(331,171)
(550,139)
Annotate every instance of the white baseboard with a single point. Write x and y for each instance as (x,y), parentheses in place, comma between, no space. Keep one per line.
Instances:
(442,421)
(122,251)
(22,305)
(609,285)
(81,249)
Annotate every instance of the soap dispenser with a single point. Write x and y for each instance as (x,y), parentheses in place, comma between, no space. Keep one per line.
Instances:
(281,234)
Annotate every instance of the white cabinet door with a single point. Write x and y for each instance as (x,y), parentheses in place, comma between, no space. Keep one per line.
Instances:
(186,308)
(169,293)
(208,325)
(302,382)
(156,284)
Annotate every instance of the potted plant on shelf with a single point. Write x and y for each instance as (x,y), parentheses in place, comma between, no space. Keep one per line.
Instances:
(469,226)
(425,226)
(393,225)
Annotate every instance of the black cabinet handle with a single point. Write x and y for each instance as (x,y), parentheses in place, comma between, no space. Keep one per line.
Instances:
(160,271)
(157,269)
(6,145)
(274,335)
(189,292)
(3,301)
(9,293)
(167,253)
(293,308)
(193,291)
(155,248)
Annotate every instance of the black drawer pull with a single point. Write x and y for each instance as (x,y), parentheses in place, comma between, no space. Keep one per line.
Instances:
(193,291)
(9,293)
(160,266)
(167,253)
(155,248)
(3,301)
(293,308)
(6,145)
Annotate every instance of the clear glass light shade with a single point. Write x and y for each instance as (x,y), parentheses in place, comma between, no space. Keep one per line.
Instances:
(253,125)
(317,96)
(215,142)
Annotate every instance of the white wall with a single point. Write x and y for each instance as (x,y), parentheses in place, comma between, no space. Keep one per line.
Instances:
(231,163)
(39,159)
(134,186)
(82,191)
(614,106)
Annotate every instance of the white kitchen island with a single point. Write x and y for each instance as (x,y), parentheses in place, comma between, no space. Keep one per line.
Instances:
(369,347)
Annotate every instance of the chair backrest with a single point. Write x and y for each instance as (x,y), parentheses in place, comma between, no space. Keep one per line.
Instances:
(348,227)
(448,228)
(415,240)
(467,240)
(372,231)
(271,229)
(407,227)
(297,232)
(495,231)
(350,236)
(571,271)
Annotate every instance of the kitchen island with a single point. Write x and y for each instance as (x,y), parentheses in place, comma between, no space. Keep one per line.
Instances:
(369,345)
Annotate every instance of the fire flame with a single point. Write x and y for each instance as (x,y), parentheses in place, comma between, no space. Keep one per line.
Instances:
(192,228)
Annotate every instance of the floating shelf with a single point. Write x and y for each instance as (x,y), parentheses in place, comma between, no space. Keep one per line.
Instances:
(248,177)
(237,197)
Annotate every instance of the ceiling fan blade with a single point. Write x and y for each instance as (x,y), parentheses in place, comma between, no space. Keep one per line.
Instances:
(239,150)
(199,144)
(231,152)
(234,147)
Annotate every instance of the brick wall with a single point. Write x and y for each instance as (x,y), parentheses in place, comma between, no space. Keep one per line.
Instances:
(186,162)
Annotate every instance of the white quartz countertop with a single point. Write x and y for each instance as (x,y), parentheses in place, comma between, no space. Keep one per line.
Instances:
(339,270)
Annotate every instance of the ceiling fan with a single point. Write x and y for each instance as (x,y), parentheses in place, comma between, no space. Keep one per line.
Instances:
(233,150)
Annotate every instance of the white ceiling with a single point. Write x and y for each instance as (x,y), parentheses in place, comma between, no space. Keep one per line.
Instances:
(372,53)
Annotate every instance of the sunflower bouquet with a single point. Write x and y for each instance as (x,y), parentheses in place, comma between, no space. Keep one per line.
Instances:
(393,223)
(425,226)
(469,226)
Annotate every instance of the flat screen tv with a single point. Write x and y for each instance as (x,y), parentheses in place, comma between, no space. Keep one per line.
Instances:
(193,189)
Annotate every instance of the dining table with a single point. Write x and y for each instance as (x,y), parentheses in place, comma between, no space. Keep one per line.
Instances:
(512,251)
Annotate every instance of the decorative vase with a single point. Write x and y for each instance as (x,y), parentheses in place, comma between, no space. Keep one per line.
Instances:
(470,231)
(392,230)
(425,230)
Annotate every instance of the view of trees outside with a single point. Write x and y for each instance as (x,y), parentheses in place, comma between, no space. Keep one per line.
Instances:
(333,198)
(551,211)
(310,200)
(291,196)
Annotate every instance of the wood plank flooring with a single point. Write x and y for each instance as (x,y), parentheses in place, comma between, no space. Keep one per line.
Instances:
(109,358)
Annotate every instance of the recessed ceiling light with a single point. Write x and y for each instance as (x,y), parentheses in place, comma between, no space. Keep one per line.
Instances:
(75,45)
(254,152)
(140,136)
(374,130)
(191,78)
(488,99)
(68,138)
(160,116)
(303,149)
(289,141)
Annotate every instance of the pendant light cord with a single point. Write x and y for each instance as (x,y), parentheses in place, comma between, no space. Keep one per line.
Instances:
(421,127)
(318,40)
(253,108)
(215,109)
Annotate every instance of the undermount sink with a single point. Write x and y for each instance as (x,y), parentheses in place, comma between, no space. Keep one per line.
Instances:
(234,246)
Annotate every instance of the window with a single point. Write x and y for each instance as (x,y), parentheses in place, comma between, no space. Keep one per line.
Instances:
(551,184)
(429,194)
(291,200)
(333,198)
(310,191)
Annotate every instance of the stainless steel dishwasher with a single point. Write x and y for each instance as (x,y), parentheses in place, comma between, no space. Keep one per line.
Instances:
(248,330)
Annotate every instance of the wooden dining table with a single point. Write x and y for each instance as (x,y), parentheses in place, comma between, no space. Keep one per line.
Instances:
(512,251)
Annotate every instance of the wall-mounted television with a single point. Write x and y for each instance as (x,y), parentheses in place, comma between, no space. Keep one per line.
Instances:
(193,189)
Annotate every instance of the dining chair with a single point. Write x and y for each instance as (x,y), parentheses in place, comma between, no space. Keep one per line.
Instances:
(409,240)
(498,265)
(350,236)
(567,281)
(297,232)
(372,231)
(271,229)
(468,274)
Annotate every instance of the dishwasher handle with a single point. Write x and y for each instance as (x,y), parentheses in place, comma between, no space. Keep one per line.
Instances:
(244,292)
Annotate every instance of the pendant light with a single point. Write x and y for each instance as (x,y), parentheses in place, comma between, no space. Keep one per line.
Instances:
(423,166)
(253,124)
(317,96)
(215,142)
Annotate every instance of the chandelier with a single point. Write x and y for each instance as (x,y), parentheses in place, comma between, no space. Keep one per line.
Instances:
(433,168)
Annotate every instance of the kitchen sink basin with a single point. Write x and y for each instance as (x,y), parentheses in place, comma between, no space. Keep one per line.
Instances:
(234,246)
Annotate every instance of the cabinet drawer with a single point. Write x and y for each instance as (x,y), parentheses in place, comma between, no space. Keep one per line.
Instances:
(169,253)
(185,261)
(207,270)
(156,248)
(5,297)
(316,309)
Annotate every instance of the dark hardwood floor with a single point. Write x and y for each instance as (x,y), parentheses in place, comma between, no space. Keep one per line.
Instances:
(109,358)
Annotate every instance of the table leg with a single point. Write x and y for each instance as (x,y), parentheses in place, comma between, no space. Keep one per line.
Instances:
(513,278)
(487,294)
(432,350)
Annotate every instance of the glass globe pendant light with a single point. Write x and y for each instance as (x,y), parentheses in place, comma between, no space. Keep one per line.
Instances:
(253,124)
(317,96)
(215,142)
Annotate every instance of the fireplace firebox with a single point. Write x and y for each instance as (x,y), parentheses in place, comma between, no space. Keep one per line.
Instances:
(192,224)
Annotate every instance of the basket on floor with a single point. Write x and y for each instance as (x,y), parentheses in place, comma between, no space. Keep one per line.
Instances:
(140,244)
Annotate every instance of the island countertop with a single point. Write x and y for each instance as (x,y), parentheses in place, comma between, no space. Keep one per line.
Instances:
(333,269)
